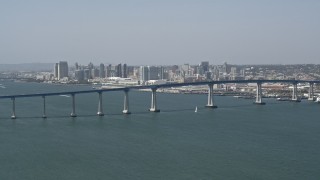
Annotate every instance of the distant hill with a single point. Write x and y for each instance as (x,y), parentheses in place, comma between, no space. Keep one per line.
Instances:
(27,67)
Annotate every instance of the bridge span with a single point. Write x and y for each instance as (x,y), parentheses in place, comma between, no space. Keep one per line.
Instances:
(153,108)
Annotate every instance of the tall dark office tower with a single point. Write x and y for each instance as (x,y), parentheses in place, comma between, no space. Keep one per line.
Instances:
(130,71)
(153,73)
(124,71)
(118,70)
(63,69)
(204,66)
(102,72)
(109,70)
(56,70)
(76,66)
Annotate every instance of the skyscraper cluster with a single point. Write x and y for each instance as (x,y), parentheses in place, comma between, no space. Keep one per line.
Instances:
(177,73)
(84,73)
(151,73)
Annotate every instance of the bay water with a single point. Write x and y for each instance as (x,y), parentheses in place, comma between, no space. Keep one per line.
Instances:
(238,140)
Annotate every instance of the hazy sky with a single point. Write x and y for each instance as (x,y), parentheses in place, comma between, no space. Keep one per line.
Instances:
(156,32)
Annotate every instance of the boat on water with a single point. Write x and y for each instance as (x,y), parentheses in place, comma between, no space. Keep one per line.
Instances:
(196,110)
(283,99)
(317,100)
(238,96)
(64,95)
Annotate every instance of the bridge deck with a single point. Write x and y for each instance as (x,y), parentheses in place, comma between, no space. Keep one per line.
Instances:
(156,86)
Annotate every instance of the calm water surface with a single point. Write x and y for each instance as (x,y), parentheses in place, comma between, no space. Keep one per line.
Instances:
(238,140)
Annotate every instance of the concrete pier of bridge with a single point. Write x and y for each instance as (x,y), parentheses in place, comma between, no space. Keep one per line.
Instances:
(210,97)
(259,95)
(295,93)
(100,108)
(126,102)
(13,116)
(44,107)
(154,101)
(73,113)
(311,93)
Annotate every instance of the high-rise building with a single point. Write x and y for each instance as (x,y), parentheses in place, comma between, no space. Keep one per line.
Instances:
(124,73)
(90,66)
(233,73)
(102,72)
(109,70)
(56,70)
(94,73)
(130,71)
(204,66)
(161,73)
(226,68)
(242,72)
(144,73)
(119,70)
(79,75)
(86,74)
(185,69)
(216,73)
(153,73)
(208,75)
(63,69)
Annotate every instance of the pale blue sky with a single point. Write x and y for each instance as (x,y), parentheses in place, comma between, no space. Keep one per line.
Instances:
(160,32)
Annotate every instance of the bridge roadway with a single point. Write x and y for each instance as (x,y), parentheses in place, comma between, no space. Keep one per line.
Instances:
(158,86)
(153,108)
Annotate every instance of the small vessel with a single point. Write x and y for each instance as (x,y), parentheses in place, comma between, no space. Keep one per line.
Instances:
(283,99)
(64,95)
(196,110)
(238,96)
(317,100)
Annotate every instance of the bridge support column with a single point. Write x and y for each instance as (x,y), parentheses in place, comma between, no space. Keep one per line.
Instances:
(44,107)
(100,109)
(126,102)
(295,93)
(210,97)
(13,116)
(154,101)
(259,94)
(310,95)
(73,113)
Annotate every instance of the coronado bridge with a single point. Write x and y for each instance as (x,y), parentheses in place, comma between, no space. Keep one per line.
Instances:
(153,108)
